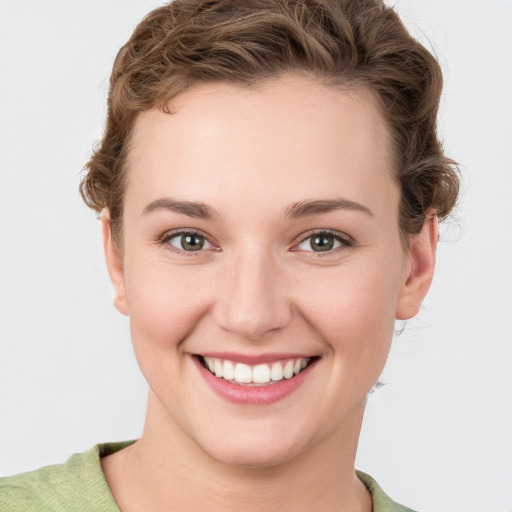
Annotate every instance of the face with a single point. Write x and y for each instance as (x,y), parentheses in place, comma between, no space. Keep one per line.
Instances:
(262,266)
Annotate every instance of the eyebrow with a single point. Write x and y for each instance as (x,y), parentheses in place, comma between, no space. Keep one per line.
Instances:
(301,209)
(190,208)
(306,208)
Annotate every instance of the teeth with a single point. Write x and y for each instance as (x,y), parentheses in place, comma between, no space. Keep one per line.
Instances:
(210,363)
(277,371)
(288,370)
(259,374)
(243,373)
(218,367)
(229,370)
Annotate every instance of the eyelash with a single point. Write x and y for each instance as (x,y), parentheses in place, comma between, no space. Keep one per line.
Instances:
(344,240)
(165,239)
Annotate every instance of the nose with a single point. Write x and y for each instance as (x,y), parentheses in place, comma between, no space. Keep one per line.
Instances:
(252,300)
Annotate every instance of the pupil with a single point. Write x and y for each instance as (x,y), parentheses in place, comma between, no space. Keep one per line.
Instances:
(322,243)
(192,242)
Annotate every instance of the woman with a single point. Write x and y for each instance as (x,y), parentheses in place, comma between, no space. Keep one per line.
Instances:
(269,183)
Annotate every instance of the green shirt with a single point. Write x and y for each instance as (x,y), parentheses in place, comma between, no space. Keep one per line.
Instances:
(79,485)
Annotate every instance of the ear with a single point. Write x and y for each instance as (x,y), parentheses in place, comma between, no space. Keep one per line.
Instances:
(422,259)
(114,261)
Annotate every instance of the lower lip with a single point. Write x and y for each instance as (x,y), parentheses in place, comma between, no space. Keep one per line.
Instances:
(254,395)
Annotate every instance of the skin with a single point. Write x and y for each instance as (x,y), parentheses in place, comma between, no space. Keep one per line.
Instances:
(258,287)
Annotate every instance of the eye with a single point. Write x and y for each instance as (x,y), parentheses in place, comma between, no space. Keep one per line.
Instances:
(189,242)
(323,241)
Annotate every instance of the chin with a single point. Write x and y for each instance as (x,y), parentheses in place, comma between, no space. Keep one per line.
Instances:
(253,450)
(254,457)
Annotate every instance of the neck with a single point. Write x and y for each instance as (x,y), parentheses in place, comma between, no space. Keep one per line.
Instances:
(166,470)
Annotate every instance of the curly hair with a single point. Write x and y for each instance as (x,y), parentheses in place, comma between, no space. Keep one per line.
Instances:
(340,42)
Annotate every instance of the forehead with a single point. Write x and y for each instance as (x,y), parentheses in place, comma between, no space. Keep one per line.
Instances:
(294,135)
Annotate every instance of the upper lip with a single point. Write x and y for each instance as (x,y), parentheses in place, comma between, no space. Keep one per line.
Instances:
(256,358)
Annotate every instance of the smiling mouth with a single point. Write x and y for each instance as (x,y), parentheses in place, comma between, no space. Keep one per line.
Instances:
(255,375)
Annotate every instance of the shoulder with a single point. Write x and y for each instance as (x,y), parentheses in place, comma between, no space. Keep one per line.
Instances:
(381,501)
(78,484)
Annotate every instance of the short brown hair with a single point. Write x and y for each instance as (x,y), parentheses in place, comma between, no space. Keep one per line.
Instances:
(248,41)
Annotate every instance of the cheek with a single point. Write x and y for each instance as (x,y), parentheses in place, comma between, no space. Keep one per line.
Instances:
(354,310)
(165,305)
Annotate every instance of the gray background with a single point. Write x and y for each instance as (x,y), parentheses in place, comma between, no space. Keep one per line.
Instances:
(437,437)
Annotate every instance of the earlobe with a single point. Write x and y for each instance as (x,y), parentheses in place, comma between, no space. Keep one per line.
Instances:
(114,262)
(422,258)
